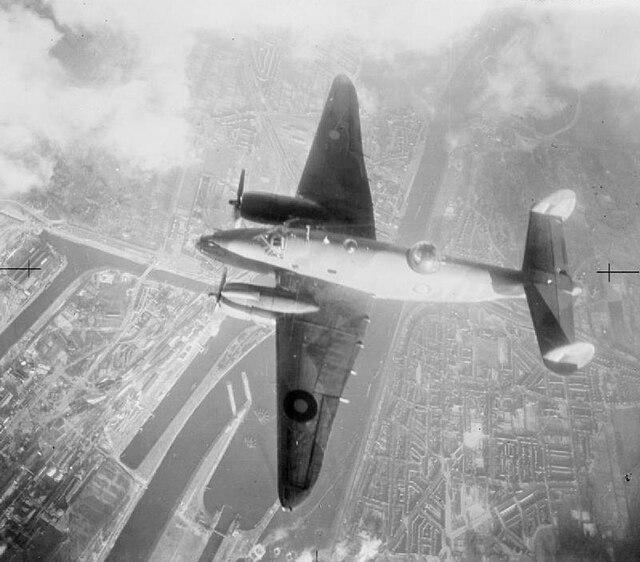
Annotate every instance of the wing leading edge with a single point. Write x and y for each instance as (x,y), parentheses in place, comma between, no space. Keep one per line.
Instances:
(316,353)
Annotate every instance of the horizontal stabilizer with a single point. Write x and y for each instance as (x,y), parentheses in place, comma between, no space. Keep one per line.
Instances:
(549,288)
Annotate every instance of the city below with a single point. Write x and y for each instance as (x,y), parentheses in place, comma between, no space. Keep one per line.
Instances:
(138,422)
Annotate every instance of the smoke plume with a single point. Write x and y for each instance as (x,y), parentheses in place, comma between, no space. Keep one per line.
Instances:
(113,75)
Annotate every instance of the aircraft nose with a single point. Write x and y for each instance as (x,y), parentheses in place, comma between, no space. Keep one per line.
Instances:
(203,243)
(208,245)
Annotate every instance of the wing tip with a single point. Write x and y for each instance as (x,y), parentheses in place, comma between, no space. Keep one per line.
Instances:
(559,204)
(342,80)
(292,496)
(343,87)
(569,358)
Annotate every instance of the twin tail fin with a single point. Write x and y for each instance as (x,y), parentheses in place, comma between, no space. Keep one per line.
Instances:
(549,289)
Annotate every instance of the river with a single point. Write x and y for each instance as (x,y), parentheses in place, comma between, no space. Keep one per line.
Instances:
(245,483)
(170,405)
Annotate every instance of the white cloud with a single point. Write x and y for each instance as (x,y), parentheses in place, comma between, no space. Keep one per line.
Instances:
(137,110)
(139,114)
(362,548)
(591,43)
(517,83)
(44,110)
(306,556)
(573,45)
(369,547)
(277,535)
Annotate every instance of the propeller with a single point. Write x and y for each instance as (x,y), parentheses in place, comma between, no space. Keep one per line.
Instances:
(237,202)
(218,294)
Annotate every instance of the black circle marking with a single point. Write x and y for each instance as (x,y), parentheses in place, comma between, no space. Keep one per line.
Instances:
(300,406)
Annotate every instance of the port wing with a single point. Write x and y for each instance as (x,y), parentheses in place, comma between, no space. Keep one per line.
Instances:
(315,355)
(549,288)
(335,176)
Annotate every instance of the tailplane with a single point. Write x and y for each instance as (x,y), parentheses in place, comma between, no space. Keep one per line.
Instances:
(549,288)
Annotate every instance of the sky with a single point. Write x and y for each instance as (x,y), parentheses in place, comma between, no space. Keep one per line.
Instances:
(133,102)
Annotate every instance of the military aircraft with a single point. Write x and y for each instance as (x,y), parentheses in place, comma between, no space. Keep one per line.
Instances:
(328,267)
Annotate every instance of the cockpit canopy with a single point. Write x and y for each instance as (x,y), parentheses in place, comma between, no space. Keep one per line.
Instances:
(276,237)
(423,258)
(274,241)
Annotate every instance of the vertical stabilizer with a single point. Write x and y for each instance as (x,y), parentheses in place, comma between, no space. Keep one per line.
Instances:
(548,286)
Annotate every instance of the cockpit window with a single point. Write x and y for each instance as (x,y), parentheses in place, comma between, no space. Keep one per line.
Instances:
(274,242)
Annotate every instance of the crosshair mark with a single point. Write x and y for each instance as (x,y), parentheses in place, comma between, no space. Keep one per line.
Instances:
(609,271)
(28,269)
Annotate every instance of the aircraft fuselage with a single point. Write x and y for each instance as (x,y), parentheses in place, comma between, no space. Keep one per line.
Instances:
(378,268)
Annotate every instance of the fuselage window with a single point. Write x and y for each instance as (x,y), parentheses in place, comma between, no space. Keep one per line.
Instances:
(333,271)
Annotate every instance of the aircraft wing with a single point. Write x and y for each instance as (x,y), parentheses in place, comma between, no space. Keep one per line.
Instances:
(315,355)
(335,176)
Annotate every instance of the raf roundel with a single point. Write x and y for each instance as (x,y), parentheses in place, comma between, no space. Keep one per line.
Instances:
(300,406)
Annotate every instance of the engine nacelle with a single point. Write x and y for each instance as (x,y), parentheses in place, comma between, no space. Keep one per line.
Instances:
(253,315)
(269,300)
(269,208)
(423,258)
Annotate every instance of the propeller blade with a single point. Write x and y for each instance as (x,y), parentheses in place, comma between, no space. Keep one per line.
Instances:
(218,294)
(237,202)
(223,281)
(241,185)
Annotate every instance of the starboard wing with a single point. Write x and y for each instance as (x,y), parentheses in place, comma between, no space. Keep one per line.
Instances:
(335,175)
(315,355)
